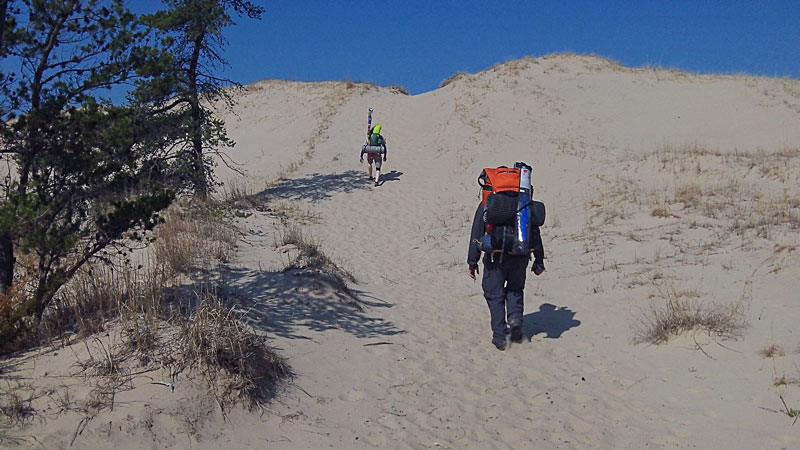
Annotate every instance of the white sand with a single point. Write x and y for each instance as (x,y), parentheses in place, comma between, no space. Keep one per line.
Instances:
(417,369)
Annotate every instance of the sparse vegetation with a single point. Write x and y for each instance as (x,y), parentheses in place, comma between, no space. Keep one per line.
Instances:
(661,211)
(235,361)
(746,194)
(453,78)
(791,412)
(682,311)
(689,195)
(771,351)
(397,89)
(363,85)
(15,409)
(194,239)
(313,261)
(237,192)
(787,381)
(162,322)
(291,211)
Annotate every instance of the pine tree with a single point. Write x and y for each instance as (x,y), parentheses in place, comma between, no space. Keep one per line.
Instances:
(193,29)
(86,177)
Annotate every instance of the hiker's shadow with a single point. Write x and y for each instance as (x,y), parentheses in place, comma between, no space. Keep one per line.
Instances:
(551,320)
(394,175)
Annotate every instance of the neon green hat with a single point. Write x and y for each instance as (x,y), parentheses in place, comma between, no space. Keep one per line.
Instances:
(377,129)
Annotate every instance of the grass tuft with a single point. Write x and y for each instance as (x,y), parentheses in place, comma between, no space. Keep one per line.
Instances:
(398,89)
(311,259)
(453,78)
(787,381)
(235,360)
(682,312)
(192,240)
(15,409)
(771,351)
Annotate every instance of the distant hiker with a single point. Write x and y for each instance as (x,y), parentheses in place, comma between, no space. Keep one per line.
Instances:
(506,230)
(374,148)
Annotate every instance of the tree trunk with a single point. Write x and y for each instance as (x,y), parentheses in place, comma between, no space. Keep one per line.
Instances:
(198,167)
(6,261)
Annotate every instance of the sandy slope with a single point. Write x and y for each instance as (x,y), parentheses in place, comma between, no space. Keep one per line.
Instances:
(609,145)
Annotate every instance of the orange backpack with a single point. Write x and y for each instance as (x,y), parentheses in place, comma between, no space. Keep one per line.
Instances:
(498,180)
(500,190)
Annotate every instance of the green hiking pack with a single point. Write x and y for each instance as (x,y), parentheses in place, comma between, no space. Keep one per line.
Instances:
(376,139)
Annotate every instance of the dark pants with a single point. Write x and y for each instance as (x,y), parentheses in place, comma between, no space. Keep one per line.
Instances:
(503,284)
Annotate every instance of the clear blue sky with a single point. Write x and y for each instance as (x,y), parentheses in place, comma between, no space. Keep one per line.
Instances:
(417,44)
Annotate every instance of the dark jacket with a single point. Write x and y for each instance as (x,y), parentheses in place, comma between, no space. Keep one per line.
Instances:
(479,229)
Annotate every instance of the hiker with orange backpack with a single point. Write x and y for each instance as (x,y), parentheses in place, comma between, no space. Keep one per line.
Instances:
(506,230)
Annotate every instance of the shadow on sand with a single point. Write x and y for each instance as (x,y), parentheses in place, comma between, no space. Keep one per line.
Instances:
(394,175)
(288,303)
(550,319)
(317,186)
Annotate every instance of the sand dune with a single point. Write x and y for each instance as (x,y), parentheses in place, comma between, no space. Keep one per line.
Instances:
(657,183)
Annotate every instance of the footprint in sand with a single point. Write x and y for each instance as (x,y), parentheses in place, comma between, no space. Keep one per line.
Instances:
(390,422)
(377,439)
(444,412)
(352,396)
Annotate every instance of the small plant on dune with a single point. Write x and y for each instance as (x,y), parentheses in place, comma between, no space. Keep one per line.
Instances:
(188,240)
(786,381)
(291,210)
(235,360)
(660,211)
(791,412)
(771,351)
(452,78)
(689,194)
(102,291)
(310,257)
(15,409)
(238,193)
(681,313)
(397,89)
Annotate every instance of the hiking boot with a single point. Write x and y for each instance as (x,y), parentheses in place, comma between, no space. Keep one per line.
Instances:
(376,183)
(516,333)
(501,345)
